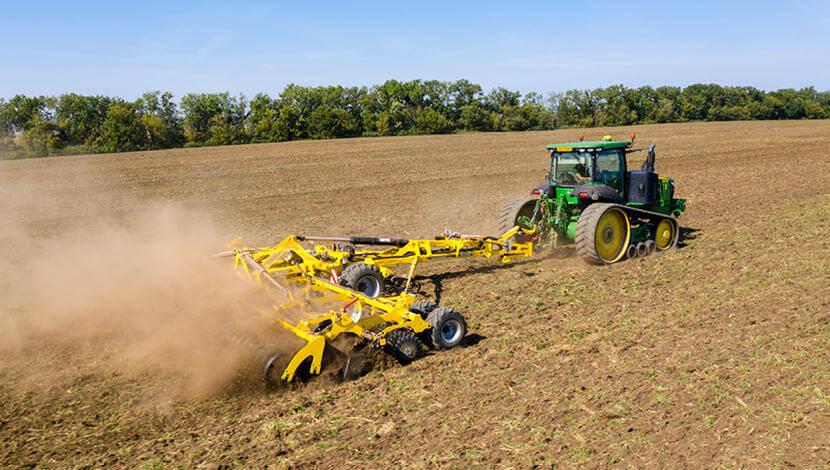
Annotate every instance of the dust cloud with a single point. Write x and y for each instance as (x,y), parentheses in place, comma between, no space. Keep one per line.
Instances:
(134,294)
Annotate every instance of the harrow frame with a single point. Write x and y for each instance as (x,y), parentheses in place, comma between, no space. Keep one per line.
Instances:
(298,273)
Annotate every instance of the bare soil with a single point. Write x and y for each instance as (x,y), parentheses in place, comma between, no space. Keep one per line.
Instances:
(716,354)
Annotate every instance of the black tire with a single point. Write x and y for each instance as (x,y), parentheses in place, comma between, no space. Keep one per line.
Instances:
(448,328)
(586,232)
(403,344)
(511,213)
(363,278)
(422,308)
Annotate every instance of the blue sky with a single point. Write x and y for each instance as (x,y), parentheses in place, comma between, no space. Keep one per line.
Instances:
(126,48)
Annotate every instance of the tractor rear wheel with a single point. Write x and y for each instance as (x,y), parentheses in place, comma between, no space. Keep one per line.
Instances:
(603,232)
(363,278)
(448,328)
(510,216)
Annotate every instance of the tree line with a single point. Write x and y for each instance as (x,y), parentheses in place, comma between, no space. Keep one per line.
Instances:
(70,124)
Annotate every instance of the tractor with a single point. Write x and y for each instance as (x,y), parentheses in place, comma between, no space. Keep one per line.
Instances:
(591,199)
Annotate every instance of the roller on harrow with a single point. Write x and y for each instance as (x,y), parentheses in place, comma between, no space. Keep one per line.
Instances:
(351,299)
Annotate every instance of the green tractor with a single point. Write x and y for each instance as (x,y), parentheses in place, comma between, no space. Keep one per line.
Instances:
(591,199)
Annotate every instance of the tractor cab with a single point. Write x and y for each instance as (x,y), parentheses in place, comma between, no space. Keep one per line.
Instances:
(594,169)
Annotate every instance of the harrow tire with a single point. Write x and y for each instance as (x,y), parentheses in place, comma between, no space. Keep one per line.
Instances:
(511,213)
(448,328)
(403,344)
(590,234)
(363,278)
(423,308)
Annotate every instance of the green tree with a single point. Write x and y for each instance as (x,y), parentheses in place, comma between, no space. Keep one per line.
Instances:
(160,119)
(262,119)
(21,110)
(500,97)
(290,124)
(200,124)
(6,128)
(463,94)
(431,121)
(576,108)
(40,138)
(81,118)
(695,101)
(122,130)
(326,122)
(474,117)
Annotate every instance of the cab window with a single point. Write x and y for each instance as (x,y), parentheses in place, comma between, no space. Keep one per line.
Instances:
(609,165)
(571,168)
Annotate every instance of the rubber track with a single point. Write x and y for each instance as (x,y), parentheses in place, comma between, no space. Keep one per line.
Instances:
(587,224)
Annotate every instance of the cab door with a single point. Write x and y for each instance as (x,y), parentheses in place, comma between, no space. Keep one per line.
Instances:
(609,170)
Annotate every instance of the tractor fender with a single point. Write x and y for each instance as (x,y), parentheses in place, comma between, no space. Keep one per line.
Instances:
(545,188)
(598,192)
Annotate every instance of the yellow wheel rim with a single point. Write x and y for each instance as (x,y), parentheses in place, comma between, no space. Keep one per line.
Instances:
(665,235)
(612,235)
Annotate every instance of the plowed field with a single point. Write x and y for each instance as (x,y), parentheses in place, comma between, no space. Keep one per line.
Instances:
(716,354)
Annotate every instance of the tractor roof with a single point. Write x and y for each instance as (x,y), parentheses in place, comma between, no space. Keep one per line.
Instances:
(589,144)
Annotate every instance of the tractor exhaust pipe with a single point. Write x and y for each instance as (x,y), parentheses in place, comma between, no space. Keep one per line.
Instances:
(648,165)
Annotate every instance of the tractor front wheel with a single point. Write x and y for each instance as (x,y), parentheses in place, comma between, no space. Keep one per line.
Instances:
(603,232)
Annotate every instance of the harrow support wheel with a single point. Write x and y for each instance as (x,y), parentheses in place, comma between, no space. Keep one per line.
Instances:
(448,328)
(511,213)
(423,308)
(603,233)
(363,278)
(404,345)
(666,234)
